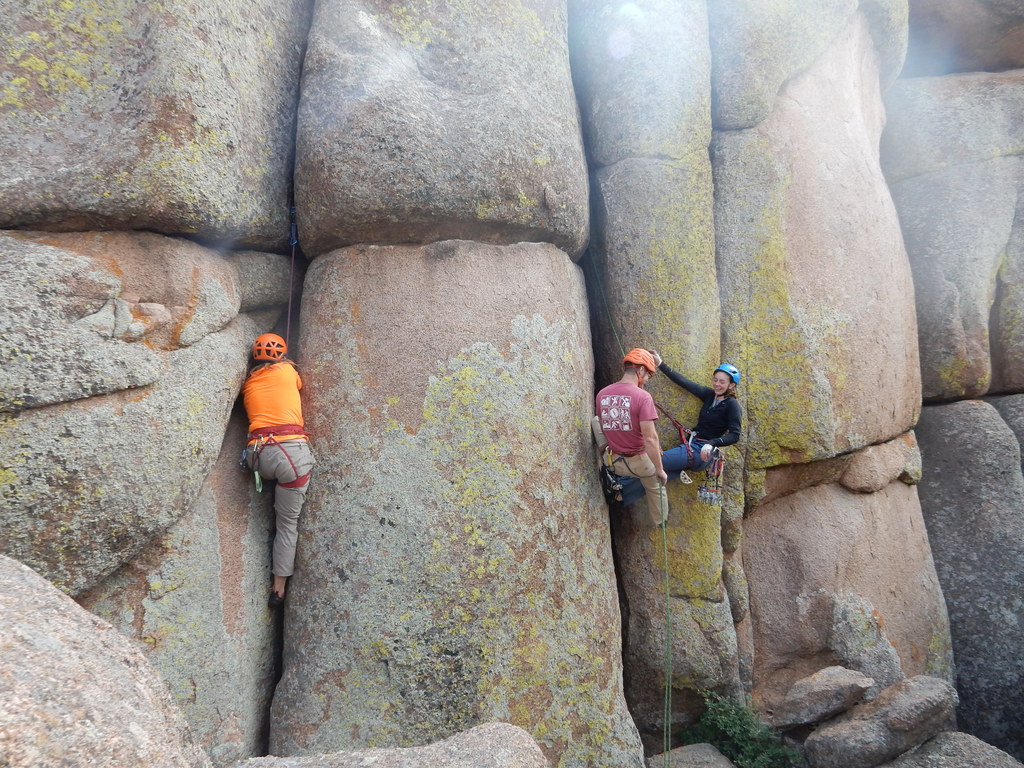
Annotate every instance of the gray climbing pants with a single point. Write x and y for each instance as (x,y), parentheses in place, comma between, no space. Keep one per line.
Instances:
(285,462)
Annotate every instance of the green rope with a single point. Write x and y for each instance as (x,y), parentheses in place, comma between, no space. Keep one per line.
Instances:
(667,711)
(667,716)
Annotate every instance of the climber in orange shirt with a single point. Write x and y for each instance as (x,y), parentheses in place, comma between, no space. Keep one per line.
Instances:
(278,446)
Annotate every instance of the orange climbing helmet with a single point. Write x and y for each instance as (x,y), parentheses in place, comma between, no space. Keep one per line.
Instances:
(640,357)
(269,346)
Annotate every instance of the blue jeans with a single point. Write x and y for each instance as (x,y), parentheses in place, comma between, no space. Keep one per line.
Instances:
(678,459)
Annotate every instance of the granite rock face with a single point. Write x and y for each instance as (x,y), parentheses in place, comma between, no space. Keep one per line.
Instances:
(820,696)
(829,572)
(195,599)
(951,749)
(820,314)
(491,745)
(432,121)
(972,497)
(759,46)
(642,78)
(165,116)
(75,691)
(965,36)
(962,223)
(903,716)
(132,347)
(454,564)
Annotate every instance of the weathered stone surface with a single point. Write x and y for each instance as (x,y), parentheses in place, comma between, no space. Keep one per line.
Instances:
(88,313)
(937,123)
(956,225)
(1011,408)
(643,78)
(654,235)
(85,484)
(168,116)
(972,496)
(953,150)
(758,46)
(652,283)
(964,36)
(818,697)
(1007,333)
(874,467)
(822,321)
(703,648)
(491,745)
(75,692)
(439,120)
(846,578)
(692,756)
(263,279)
(196,598)
(454,563)
(903,716)
(951,749)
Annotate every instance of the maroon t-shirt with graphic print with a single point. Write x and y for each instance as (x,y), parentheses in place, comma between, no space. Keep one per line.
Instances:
(621,407)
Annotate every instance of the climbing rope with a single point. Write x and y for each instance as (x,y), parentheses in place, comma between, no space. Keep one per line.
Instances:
(293,242)
(667,710)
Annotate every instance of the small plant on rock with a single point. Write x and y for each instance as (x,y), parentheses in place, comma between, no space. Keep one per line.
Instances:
(735,731)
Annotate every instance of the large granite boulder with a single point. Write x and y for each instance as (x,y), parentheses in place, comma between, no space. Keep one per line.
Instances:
(642,74)
(845,577)
(758,46)
(958,219)
(172,117)
(952,749)
(903,716)
(196,600)
(818,697)
(964,36)
(491,745)
(75,691)
(454,563)
(130,349)
(817,308)
(434,121)
(972,496)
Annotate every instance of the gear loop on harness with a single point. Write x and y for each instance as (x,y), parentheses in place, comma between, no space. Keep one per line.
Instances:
(266,436)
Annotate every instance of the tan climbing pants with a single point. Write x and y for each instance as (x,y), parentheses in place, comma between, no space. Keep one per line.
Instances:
(642,468)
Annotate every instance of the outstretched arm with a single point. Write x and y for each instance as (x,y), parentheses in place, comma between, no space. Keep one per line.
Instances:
(698,390)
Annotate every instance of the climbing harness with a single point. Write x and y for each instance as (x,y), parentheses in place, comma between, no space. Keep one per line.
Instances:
(261,438)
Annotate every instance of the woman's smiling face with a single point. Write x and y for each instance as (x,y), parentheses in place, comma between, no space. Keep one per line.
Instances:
(720,382)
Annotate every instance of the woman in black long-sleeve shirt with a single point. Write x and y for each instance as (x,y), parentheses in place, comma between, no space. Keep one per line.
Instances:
(718,424)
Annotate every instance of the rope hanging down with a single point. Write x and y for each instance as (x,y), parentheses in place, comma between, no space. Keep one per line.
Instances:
(293,242)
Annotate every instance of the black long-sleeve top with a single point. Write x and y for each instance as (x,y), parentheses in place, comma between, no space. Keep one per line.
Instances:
(718,424)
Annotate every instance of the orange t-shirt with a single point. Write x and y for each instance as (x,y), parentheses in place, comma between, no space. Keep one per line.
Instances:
(271,398)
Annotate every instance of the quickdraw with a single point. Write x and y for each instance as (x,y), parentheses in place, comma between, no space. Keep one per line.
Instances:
(710,491)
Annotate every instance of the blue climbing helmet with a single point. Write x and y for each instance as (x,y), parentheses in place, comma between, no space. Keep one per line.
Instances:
(729,370)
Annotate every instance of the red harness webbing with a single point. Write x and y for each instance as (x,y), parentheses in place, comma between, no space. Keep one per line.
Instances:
(265,435)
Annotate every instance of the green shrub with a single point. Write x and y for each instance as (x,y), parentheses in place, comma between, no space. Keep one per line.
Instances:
(735,731)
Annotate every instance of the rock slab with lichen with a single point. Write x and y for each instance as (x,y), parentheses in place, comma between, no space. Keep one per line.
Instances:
(437,120)
(453,564)
(167,116)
